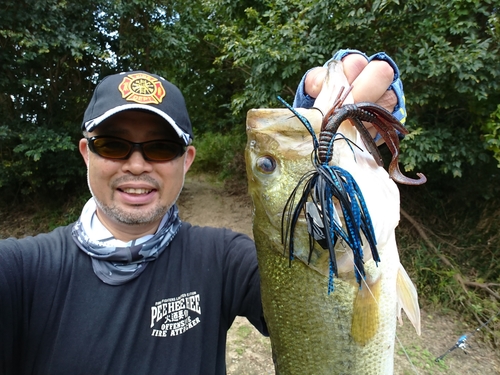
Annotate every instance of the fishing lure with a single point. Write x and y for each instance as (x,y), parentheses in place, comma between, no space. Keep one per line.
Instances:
(328,184)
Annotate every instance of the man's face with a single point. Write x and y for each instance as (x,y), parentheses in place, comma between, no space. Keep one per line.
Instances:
(133,195)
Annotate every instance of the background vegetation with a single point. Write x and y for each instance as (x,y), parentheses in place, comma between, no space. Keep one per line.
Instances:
(230,56)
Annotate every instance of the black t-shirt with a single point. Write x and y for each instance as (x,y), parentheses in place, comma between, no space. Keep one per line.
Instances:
(57,317)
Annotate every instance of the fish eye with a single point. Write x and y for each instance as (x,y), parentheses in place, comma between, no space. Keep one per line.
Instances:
(266,164)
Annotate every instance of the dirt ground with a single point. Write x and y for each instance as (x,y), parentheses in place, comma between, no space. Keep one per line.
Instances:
(204,202)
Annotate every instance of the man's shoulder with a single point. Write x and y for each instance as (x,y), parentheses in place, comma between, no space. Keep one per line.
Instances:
(42,256)
(214,243)
(59,231)
(206,233)
(58,237)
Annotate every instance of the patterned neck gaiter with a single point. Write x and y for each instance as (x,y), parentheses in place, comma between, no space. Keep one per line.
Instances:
(116,262)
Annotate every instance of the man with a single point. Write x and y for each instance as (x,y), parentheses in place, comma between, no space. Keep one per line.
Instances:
(128,288)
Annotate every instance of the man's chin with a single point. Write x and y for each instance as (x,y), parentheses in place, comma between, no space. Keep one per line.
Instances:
(135,216)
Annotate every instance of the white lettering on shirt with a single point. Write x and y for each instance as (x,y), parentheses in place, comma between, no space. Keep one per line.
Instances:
(174,316)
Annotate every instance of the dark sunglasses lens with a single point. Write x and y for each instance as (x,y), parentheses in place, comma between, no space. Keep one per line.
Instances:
(111,148)
(162,150)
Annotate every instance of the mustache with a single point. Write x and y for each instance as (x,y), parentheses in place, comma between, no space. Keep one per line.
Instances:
(142,178)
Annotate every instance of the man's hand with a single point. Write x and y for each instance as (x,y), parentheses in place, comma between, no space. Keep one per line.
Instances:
(370,81)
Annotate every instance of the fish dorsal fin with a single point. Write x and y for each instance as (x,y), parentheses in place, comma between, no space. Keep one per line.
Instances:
(407,299)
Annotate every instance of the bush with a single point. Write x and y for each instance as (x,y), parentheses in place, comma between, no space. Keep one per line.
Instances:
(222,154)
(448,240)
(38,162)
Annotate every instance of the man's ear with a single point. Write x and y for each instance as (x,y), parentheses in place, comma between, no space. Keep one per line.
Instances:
(84,150)
(189,157)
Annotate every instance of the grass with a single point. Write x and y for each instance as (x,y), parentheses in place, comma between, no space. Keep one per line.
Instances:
(42,215)
(244,331)
(60,215)
(422,358)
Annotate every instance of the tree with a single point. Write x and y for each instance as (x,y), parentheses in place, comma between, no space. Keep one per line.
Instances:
(228,57)
(47,53)
(447,52)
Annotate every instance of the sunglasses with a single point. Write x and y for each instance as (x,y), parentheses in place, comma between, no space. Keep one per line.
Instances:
(118,148)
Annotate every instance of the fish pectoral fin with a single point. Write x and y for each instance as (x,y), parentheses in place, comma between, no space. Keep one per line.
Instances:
(365,316)
(407,299)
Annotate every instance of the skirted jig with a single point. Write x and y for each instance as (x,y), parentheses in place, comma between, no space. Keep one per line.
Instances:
(328,184)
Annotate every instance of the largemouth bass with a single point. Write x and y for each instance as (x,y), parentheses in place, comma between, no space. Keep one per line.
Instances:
(352,329)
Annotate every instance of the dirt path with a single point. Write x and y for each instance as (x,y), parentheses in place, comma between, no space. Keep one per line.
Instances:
(204,203)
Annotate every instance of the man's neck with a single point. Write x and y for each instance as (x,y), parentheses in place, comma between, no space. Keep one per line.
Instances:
(127,232)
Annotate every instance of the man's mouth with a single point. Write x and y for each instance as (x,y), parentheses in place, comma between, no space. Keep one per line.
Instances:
(136,191)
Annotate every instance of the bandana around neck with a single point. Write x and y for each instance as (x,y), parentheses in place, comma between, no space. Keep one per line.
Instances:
(116,262)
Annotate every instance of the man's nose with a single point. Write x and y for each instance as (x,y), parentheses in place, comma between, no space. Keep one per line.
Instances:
(136,164)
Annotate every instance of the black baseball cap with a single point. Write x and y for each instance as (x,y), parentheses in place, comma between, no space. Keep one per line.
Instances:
(138,90)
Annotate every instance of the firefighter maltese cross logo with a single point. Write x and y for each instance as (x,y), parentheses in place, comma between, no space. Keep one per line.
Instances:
(142,88)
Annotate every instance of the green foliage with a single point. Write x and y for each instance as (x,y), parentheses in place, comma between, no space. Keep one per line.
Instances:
(36,152)
(270,45)
(221,154)
(447,52)
(448,149)
(492,134)
(228,57)
(47,49)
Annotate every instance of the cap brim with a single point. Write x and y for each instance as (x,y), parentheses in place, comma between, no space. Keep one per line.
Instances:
(92,124)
